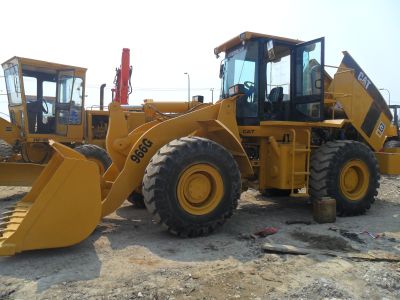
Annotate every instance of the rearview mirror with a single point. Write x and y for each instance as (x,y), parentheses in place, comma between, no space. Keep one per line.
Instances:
(221,69)
(309,48)
(270,49)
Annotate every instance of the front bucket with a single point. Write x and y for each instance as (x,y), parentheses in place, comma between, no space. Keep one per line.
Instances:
(62,208)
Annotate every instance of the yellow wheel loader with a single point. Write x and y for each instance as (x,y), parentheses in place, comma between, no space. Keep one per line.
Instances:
(46,101)
(281,120)
(394,141)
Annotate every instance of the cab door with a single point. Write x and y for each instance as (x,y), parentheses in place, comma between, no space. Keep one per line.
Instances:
(65,85)
(307,85)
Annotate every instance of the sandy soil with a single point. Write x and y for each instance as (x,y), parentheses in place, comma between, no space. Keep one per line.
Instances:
(129,257)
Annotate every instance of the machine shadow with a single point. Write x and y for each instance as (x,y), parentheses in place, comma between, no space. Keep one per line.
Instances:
(133,232)
(135,227)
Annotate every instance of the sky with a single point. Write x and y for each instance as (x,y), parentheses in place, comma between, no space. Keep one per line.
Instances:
(169,38)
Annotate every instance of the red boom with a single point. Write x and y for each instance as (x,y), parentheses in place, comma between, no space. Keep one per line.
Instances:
(122,87)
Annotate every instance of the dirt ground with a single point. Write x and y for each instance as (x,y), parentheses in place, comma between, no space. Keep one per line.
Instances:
(129,257)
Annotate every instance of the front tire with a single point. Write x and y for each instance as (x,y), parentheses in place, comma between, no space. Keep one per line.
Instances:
(346,171)
(192,186)
(96,154)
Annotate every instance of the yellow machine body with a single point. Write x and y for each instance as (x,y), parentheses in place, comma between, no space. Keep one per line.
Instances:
(19,174)
(389,161)
(278,163)
(60,210)
(33,124)
(217,122)
(10,132)
(368,113)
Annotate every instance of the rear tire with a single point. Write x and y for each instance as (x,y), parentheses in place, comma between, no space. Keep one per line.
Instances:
(346,171)
(192,186)
(96,154)
(6,150)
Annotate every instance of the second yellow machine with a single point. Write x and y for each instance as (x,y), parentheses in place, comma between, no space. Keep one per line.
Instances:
(47,101)
(281,120)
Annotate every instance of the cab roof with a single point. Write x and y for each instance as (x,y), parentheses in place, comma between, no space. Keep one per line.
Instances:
(247,35)
(42,64)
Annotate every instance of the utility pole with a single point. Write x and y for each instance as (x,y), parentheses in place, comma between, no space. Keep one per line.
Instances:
(383,89)
(188,77)
(212,95)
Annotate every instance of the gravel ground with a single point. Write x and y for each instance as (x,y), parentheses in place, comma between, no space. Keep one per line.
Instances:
(129,257)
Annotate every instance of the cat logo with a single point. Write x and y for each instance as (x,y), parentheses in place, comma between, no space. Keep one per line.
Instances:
(380,129)
(248,131)
(364,80)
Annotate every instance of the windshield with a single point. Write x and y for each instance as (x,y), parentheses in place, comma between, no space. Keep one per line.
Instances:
(13,86)
(70,98)
(65,88)
(239,67)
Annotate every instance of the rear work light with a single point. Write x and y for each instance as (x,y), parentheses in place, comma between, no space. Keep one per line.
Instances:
(237,89)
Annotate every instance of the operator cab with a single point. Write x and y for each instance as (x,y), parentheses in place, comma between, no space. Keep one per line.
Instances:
(44,98)
(281,79)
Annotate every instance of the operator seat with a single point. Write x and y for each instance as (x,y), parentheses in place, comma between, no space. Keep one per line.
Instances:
(276,95)
(35,115)
(274,103)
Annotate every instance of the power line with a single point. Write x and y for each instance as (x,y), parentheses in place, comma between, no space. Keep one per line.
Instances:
(159,90)
(156,89)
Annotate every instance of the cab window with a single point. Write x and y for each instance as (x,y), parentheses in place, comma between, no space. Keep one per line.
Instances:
(240,67)
(39,100)
(66,83)
(75,116)
(30,88)
(277,92)
(70,99)
(13,85)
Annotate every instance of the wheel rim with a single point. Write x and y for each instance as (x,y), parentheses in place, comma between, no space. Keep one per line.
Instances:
(354,180)
(200,189)
(35,152)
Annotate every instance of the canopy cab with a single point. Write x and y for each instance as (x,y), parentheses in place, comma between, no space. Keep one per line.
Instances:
(283,84)
(45,99)
(281,78)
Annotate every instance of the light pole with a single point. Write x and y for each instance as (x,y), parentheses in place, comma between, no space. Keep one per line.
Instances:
(188,76)
(383,89)
(212,95)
